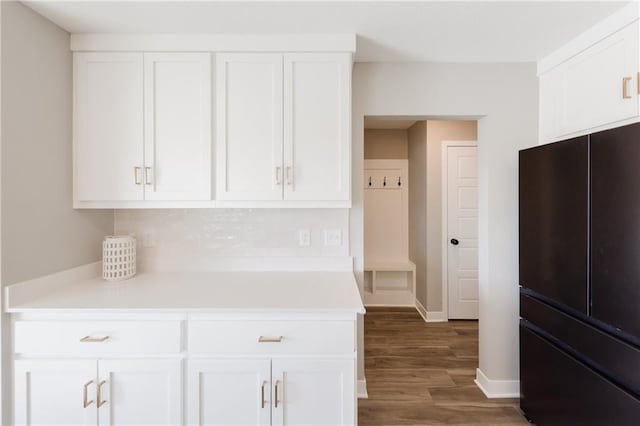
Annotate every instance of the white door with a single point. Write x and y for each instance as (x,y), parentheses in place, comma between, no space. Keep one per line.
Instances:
(317,126)
(177,126)
(229,392)
(462,231)
(55,393)
(108,126)
(249,126)
(140,392)
(313,392)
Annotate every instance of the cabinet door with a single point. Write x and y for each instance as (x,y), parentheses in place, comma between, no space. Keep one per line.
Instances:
(615,228)
(177,126)
(140,392)
(52,392)
(317,126)
(249,126)
(554,221)
(229,392)
(593,82)
(313,392)
(108,113)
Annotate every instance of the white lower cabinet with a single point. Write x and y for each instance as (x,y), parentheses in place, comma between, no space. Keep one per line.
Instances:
(50,392)
(91,392)
(140,392)
(209,370)
(313,392)
(271,392)
(229,392)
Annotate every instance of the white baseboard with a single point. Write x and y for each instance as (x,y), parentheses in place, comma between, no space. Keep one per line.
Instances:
(497,388)
(429,316)
(421,310)
(362,389)
(436,316)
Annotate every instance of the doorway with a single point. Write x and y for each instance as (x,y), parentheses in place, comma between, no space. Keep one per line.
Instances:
(420,242)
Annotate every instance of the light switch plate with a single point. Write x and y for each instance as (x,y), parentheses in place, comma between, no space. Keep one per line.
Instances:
(332,237)
(304,238)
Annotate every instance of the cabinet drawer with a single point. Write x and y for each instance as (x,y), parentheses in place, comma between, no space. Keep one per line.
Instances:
(96,337)
(271,337)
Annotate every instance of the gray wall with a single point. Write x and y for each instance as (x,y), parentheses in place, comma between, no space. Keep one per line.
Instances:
(418,206)
(41,233)
(504,99)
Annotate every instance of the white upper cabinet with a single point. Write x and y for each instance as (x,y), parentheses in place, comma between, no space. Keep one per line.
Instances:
(317,132)
(283,127)
(249,126)
(142,127)
(592,82)
(108,126)
(177,126)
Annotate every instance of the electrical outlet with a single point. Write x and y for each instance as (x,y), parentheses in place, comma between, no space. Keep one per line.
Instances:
(304,238)
(332,237)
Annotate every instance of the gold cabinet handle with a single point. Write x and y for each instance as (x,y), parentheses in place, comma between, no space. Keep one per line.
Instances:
(146,175)
(101,402)
(625,82)
(89,339)
(263,402)
(638,82)
(85,391)
(136,173)
(267,339)
(276,392)
(288,175)
(278,181)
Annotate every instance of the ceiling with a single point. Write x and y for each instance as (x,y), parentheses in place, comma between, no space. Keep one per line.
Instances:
(437,31)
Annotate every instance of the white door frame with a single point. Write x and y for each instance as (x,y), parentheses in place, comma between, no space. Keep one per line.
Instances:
(445,220)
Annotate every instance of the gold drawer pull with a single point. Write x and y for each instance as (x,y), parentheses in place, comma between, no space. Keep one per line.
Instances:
(89,339)
(85,391)
(276,398)
(625,81)
(266,339)
(135,175)
(262,394)
(101,402)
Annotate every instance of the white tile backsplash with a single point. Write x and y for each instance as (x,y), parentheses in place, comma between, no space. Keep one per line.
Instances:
(192,234)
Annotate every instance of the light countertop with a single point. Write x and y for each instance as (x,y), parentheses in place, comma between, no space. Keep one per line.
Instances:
(198,292)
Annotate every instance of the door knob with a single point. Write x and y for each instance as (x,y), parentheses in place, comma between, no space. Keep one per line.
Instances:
(455,242)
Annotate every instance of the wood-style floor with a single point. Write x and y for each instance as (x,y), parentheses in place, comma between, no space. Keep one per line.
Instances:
(422,374)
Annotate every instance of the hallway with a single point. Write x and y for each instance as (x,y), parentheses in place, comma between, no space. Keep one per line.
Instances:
(422,374)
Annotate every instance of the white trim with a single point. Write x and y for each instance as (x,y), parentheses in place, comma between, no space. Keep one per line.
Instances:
(593,35)
(497,388)
(436,316)
(421,310)
(444,169)
(214,43)
(361,390)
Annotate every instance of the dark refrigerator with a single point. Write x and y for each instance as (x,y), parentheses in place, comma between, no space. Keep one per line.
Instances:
(579,225)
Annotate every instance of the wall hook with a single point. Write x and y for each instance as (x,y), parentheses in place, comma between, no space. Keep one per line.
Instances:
(369,180)
(399,180)
(384,181)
